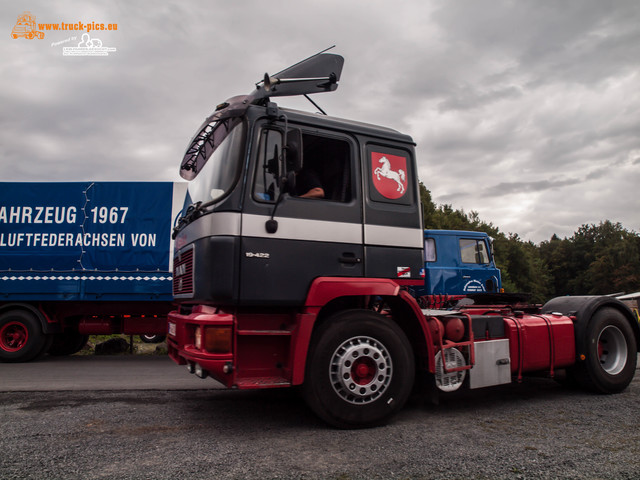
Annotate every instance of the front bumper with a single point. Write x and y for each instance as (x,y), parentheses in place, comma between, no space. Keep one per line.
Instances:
(181,344)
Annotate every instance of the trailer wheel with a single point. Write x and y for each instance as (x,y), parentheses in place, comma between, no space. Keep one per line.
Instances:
(21,337)
(67,343)
(611,355)
(360,371)
(152,338)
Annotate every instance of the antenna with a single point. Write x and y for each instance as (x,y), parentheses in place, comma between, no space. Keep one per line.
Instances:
(315,104)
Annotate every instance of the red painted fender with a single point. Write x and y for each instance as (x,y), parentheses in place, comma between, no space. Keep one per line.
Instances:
(325,289)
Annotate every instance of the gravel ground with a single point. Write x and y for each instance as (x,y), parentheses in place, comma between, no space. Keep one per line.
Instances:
(536,429)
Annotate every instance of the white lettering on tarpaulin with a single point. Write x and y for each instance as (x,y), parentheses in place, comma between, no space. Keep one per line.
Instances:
(38,214)
(143,239)
(59,215)
(105,240)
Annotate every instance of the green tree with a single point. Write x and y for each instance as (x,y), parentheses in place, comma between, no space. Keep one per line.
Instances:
(597,259)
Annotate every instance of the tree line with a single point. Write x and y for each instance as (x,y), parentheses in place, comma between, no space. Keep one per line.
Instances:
(596,260)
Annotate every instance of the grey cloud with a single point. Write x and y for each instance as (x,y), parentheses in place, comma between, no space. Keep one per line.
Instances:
(468,97)
(506,188)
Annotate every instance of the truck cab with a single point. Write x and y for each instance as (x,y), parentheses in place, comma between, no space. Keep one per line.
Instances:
(459,262)
(247,219)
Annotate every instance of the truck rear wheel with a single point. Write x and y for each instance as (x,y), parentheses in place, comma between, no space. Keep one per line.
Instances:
(611,355)
(21,337)
(360,371)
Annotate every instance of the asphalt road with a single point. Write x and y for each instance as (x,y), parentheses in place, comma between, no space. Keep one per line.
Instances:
(138,422)
(91,372)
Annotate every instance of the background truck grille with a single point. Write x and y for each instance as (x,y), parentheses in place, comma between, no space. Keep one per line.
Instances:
(183,273)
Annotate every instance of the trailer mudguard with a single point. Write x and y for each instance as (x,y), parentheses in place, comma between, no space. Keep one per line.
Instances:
(583,308)
(47,326)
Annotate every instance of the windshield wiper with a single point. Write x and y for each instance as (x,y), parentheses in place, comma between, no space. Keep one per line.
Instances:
(211,134)
(198,148)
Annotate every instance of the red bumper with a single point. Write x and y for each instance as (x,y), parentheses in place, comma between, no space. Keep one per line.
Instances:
(181,343)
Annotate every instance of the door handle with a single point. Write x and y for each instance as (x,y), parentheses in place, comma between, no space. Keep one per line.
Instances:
(350,259)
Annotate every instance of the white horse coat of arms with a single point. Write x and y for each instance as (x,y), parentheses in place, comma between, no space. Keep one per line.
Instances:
(389,174)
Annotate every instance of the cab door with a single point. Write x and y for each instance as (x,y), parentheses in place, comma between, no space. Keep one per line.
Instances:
(393,221)
(476,268)
(289,240)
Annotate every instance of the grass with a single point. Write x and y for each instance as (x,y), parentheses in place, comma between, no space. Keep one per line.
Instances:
(139,347)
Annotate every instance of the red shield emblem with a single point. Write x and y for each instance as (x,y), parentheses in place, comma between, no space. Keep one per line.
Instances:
(389,174)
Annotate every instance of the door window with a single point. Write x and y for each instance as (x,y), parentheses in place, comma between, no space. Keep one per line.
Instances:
(473,251)
(322,169)
(430,250)
(267,183)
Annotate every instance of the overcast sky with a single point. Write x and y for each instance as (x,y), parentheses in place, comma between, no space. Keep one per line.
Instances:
(527,112)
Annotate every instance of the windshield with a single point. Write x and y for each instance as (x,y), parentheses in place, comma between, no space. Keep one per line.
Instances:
(208,139)
(217,175)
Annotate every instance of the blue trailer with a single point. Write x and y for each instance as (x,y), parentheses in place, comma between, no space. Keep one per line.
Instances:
(457,263)
(83,258)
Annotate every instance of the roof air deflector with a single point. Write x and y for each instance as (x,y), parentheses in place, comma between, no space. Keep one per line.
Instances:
(318,73)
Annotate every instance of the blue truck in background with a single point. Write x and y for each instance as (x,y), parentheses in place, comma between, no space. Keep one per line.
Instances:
(83,258)
(458,263)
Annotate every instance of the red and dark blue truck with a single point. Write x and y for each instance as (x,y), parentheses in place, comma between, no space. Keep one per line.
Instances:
(274,289)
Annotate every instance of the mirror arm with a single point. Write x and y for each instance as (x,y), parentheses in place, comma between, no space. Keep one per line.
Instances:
(271,225)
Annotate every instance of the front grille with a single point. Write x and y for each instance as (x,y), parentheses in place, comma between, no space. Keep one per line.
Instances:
(183,273)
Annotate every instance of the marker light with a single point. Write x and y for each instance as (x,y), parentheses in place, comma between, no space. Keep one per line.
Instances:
(218,339)
(214,339)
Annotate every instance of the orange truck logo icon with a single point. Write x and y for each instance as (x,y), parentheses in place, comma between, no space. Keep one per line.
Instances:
(26,27)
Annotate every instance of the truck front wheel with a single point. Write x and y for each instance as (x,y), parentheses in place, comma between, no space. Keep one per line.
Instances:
(360,370)
(21,337)
(610,360)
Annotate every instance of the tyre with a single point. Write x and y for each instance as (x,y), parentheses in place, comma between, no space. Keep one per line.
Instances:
(152,338)
(360,370)
(21,337)
(611,354)
(67,343)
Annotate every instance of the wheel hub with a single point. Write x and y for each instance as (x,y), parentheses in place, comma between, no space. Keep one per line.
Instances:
(612,350)
(361,370)
(13,336)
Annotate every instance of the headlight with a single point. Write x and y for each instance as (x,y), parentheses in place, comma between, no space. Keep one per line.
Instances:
(199,338)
